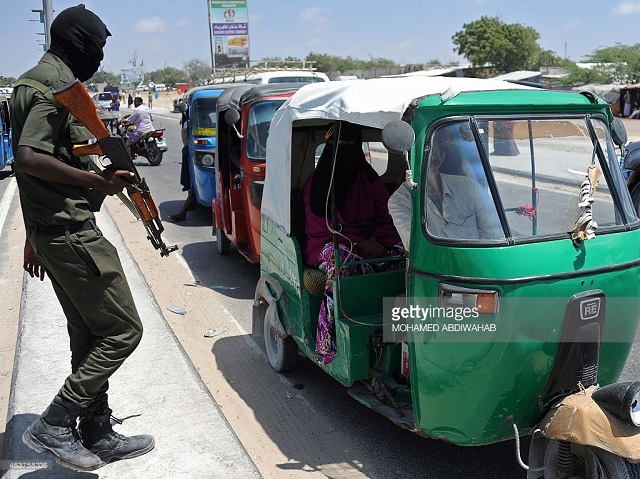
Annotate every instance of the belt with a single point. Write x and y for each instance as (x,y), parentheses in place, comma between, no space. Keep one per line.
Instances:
(60,230)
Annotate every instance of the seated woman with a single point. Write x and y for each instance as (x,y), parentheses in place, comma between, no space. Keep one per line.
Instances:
(361,197)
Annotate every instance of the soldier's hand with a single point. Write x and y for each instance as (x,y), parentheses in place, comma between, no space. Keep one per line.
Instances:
(116,181)
(32,263)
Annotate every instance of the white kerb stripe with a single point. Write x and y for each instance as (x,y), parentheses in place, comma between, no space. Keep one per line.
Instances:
(6,201)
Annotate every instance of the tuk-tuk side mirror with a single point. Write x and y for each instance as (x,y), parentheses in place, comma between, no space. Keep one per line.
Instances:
(182,107)
(619,132)
(231,116)
(398,136)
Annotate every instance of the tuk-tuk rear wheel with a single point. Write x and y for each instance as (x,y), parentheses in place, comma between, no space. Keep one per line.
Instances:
(608,465)
(281,352)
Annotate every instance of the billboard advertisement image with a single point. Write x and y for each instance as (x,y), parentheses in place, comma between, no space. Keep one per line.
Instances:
(230,33)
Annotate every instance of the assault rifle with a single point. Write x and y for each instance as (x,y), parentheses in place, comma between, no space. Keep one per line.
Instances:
(77,101)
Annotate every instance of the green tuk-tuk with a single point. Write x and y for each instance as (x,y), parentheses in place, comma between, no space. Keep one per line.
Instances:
(518,300)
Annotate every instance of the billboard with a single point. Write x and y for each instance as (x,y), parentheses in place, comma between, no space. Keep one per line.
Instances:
(229,33)
(131,75)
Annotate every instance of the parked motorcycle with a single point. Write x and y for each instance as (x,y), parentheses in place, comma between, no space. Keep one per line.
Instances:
(152,145)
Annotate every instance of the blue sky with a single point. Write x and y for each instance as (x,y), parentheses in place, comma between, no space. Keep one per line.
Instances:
(170,32)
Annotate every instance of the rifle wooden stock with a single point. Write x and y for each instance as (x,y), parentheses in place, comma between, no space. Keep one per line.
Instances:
(77,101)
(84,150)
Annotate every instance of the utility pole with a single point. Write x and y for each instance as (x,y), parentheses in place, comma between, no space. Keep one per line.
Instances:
(47,5)
(46,17)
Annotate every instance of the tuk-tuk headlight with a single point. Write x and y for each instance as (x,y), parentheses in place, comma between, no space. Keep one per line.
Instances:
(483,300)
(204,159)
(621,400)
(207,160)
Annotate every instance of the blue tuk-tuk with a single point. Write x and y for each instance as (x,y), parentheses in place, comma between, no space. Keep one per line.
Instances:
(199,118)
(6,150)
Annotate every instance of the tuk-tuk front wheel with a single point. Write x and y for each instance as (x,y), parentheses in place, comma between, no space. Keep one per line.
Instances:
(601,464)
(223,245)
(281,352)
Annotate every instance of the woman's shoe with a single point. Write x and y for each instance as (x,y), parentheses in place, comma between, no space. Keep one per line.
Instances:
(178,218)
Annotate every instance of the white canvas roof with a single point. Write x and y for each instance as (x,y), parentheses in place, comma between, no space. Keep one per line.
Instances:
(372,103)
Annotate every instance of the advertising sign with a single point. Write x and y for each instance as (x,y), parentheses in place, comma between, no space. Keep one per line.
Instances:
(230,33)
(131,75)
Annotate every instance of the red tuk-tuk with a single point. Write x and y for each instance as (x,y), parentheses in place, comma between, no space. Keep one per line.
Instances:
(244,117)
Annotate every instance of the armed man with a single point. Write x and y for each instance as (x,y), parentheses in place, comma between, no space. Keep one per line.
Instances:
(64,243)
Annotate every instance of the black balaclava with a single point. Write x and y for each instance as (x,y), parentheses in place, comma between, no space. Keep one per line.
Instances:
(77,38)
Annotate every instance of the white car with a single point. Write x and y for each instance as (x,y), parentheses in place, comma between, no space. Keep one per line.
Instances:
(287,76)
(141,87)
(103,99)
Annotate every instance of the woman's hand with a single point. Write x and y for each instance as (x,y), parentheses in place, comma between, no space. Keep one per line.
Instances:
(32,263)
(372,248)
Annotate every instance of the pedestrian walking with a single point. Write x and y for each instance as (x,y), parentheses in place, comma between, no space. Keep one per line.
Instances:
(191,202)
(64,243)
(150,99)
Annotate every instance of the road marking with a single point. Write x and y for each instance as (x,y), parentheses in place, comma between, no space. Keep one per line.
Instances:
(6,201)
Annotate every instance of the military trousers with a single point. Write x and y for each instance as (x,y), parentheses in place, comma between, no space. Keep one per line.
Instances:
(102,321)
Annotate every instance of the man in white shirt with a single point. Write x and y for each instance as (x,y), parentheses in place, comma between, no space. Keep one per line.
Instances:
(400,211)
(142,119)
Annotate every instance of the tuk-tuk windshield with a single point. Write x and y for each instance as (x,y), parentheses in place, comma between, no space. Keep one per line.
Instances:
(203,117)
(537,166)
(259,119)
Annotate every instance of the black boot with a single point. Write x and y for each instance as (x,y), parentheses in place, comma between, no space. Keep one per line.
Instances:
(55,431)
(98,436)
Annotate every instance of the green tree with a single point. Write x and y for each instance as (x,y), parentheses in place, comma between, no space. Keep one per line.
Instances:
(549,58)
(197,70)
(103,76)
(7,81)
(576,75)
(167,75)
(330,63)
(621,61)
(506,47)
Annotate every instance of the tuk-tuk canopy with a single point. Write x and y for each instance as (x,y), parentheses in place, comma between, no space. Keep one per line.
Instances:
(236,96)
(372,103)
(230,98)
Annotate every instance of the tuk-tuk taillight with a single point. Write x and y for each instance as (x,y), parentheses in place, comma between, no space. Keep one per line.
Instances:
(484,301)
